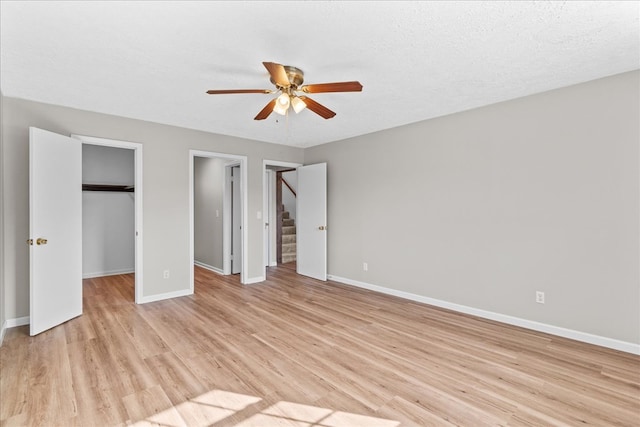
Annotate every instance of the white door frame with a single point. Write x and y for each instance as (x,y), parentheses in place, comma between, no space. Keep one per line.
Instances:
(137,154)
(242,161)
(265,196)
(227,217)
(269,218)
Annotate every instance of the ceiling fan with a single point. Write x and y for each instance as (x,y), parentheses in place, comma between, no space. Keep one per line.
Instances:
(288,81)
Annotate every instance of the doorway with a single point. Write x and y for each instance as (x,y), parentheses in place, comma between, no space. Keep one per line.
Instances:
(108,211)
(99,198)
(231,178)
(272,206)
(311,216)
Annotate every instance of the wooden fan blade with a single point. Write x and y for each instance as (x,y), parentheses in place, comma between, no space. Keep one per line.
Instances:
(278,74)
(264,113)
(227,91)
(317,108)
(332,87)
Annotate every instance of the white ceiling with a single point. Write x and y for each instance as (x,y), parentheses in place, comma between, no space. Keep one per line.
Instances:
(416,60)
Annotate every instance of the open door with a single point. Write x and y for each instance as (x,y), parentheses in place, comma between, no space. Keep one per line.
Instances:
(55,229)
(311,207)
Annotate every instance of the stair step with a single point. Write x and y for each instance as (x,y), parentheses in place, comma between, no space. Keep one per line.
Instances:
(289,245)
(289,248)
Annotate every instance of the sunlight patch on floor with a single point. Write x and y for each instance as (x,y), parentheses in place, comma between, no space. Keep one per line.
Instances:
(295,414)
(217,405)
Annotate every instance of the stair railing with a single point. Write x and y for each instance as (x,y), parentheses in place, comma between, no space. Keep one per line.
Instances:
(289,187)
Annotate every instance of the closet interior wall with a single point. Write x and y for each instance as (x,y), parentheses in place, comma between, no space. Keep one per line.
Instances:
(108,217)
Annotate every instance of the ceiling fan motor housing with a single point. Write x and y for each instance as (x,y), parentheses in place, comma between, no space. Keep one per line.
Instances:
(295,76)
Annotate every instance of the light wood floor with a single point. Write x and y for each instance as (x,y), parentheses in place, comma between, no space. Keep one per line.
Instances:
(295,351)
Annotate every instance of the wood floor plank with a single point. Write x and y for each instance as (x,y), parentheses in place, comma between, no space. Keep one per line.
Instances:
(80,330)
(178,382)
(127,370)
(152,407)
(409,414)
(296,351)
(15,374)
(215,375)
(51,398)
(147,342)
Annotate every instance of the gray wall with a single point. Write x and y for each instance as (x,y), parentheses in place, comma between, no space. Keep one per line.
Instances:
(208,185)
(165,199)
(485,207)
(3,316)
(480,208)
(288,199)
(108,218)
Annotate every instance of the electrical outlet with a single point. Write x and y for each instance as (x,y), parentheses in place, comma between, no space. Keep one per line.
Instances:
(540,297)
(165,274)
(365,266)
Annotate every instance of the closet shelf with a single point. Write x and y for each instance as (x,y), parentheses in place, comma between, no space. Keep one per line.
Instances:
(107,187)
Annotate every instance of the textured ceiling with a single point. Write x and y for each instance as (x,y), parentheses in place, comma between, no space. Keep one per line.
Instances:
(416,60)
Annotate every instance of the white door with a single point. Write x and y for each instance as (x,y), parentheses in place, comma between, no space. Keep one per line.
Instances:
(311,218)
(55,229)
(236,222)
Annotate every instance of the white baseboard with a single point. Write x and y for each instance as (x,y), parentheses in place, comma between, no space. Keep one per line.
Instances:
(168,295)
(208,267)
(3,329)
(249,281)
(19,321)
(107,273)
(503,318)
(12,323)
(252,280)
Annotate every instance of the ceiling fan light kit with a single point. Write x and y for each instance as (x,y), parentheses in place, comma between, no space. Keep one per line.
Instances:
(282,104)
(298,104)
(288,81)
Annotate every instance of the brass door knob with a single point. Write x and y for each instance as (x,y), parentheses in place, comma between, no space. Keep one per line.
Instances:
(322,228)
(41,241)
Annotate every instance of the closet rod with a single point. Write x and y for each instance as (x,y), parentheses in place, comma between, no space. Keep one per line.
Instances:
(106,187)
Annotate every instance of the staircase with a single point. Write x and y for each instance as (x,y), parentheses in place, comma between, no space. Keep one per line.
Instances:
(289,245)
